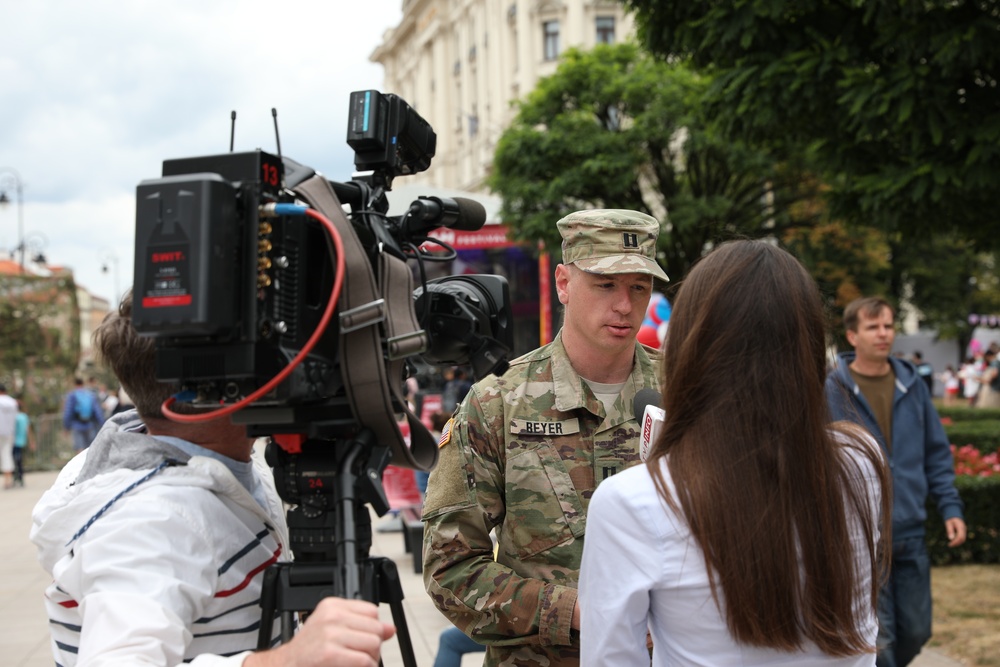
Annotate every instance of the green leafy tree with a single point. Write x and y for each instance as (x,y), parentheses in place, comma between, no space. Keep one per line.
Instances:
(615,128)
(846,263)
(899,101)
(943,278)
(947,278)
(40,330)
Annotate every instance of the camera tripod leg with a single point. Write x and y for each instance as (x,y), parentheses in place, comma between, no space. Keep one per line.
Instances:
(268,608)
(389,589)
(290,587)
(287,626)
(274,598)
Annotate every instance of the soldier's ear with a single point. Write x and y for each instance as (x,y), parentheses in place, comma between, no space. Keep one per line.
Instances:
(562,283)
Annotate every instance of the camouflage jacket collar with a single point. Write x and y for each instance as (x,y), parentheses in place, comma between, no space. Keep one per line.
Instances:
(571,391)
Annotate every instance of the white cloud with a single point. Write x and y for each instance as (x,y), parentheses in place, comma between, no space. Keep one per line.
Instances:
(95,95)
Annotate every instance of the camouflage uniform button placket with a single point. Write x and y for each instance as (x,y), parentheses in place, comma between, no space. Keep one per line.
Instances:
(539,492)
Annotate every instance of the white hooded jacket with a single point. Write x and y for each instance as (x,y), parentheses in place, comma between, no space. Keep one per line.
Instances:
(157,557)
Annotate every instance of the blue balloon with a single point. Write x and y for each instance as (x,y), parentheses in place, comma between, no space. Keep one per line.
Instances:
(663,310)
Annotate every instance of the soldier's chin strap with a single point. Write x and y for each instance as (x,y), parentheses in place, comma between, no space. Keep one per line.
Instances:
(378,330)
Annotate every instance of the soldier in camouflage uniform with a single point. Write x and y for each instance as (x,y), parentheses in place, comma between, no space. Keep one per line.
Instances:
(525,451)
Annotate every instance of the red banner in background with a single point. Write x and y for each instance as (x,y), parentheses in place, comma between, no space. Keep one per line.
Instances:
(544,297)
(490,236)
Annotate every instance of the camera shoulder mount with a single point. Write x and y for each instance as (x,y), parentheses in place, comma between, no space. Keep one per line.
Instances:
(367,303)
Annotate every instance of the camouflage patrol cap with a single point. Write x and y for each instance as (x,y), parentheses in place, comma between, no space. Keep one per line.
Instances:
(610,241)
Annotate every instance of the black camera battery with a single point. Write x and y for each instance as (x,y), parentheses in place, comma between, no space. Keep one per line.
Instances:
(186,230)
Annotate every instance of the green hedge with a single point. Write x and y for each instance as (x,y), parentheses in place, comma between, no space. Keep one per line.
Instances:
(983,434)
(981,496)
(960,413)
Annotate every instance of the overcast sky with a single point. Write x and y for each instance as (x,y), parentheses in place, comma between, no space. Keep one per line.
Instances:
(95,95)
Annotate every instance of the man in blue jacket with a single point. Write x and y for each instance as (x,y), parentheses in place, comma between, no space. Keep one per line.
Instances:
(82,415)
(886,396)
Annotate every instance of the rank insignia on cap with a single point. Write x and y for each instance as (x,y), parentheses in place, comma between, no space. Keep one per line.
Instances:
(445,434)
(611,241)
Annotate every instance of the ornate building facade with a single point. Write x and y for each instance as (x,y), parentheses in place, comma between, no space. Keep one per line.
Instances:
(461,63)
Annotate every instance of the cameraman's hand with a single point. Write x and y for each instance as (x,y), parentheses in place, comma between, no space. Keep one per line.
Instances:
(345,633)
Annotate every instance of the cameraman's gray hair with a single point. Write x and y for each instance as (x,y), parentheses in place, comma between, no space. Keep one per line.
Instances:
(132,358)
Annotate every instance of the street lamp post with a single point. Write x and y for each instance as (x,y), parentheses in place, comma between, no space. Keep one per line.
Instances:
(109,258)
(10,175)
(34,243)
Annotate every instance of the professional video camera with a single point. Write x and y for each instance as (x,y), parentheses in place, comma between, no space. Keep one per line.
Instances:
(268,303)
(239,286)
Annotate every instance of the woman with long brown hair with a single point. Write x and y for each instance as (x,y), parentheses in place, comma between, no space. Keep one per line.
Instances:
(753,534)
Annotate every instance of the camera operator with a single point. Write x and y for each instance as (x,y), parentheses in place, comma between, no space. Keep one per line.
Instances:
(526,450)
(158,535)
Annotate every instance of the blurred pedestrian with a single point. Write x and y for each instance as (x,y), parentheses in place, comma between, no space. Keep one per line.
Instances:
(8,422)
(924,370)
(452,645)
(887,397)
(412,389)
(110,403)
(952,384)
(989,392)
(97,389)
(455,389)
(24,437)
(82,415)
(970,374)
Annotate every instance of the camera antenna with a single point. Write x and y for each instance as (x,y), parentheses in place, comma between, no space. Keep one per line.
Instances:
(232,129)
(277,137)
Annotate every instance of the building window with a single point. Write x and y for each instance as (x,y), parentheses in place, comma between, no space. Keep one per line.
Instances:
(550,32)
(605,29)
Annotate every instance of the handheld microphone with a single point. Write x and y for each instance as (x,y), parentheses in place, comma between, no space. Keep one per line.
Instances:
(428,213)
(650,415)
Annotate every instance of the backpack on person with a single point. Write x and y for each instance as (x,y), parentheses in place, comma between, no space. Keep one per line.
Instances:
(83,405)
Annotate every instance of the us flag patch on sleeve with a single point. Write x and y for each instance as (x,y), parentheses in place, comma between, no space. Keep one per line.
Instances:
(445,434)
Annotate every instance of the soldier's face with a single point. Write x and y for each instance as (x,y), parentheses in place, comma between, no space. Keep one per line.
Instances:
(604,310)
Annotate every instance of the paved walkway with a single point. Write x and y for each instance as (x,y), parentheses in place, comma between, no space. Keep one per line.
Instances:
(24,636)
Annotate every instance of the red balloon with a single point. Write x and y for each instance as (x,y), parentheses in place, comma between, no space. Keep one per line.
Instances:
(649,336)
